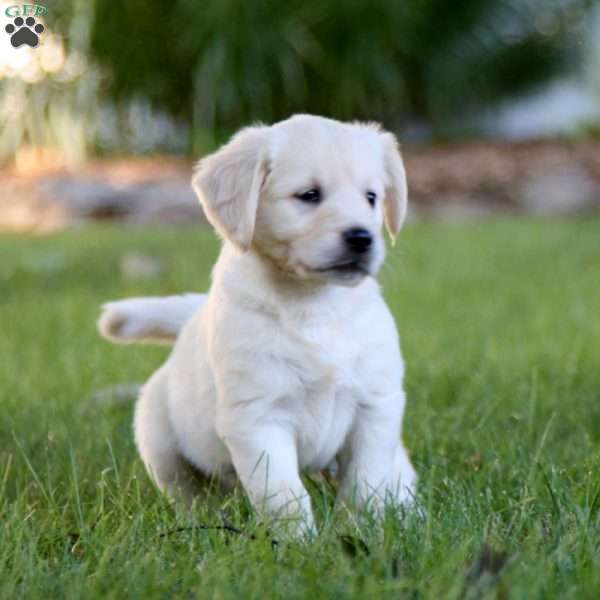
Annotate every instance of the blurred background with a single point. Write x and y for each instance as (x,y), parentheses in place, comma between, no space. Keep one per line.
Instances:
(496,102)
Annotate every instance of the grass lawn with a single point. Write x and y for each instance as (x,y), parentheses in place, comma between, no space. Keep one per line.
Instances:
(500,328)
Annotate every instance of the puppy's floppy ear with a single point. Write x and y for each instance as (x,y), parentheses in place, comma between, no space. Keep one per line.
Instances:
(396,189)
(228,184)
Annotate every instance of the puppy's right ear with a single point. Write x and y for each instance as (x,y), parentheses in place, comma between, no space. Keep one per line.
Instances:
(229,182)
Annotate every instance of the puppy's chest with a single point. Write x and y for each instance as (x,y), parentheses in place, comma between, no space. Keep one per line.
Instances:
(326,389)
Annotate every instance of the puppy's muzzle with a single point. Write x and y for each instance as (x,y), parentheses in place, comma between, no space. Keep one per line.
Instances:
(355,258)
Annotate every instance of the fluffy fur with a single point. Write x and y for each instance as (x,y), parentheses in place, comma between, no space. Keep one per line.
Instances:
(292,360)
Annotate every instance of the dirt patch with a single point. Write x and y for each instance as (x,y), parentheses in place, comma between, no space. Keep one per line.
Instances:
(470,180)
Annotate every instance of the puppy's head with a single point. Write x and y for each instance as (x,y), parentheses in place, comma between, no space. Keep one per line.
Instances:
(308,194)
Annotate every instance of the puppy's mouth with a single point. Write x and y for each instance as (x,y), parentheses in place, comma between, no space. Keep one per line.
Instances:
(345,267)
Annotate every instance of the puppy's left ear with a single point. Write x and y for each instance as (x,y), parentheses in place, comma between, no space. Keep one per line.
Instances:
(228,184)
(396,189)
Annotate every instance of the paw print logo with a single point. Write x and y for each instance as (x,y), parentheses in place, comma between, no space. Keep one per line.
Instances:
(24,32)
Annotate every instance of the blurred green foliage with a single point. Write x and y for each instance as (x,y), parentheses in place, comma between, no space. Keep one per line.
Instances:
(226,62)
(144,76)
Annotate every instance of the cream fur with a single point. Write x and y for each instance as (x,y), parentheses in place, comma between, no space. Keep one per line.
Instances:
(285,366)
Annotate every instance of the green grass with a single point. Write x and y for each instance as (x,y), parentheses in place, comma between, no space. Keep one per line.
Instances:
(500,327)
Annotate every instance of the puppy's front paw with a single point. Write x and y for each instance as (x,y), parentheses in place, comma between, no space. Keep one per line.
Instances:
(299,528)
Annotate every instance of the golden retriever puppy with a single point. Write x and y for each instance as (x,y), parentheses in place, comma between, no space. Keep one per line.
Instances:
(291,361)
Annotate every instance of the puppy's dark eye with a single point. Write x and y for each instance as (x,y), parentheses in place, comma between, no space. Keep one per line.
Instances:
(312,196)
(371,197)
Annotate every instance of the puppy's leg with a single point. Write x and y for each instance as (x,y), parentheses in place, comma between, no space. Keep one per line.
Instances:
(157,443)
(404,477)
(375,466)
(266,462)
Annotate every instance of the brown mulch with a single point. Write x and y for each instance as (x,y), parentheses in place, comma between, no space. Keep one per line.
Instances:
(486,175)
(468,167)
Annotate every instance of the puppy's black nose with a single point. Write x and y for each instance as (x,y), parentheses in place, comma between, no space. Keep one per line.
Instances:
(357,239)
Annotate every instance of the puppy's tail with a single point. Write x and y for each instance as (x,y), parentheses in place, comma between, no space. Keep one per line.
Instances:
(148,320)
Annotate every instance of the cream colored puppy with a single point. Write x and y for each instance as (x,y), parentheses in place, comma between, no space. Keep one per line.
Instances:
(291,361)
